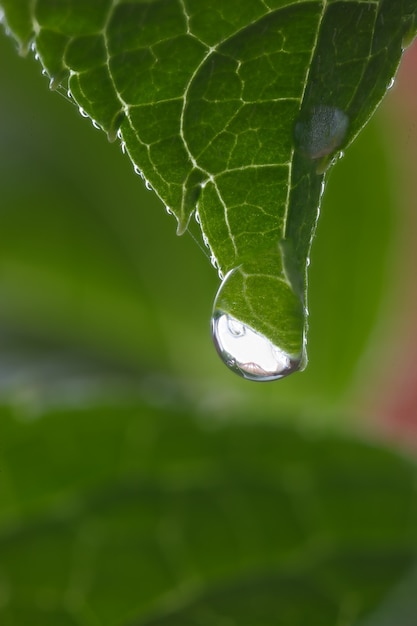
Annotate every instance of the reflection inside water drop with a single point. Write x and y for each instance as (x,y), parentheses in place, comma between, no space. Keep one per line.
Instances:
(249,353)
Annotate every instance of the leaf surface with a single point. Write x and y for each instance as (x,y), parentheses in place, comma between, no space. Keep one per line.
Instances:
(236,111)
(137,515)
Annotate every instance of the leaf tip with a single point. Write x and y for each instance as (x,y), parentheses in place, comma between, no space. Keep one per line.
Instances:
(117,121)
(182,225)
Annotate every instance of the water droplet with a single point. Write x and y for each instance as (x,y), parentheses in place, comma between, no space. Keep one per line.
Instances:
(249,353)
(320,131)
(148,185)
(258,322)
(96,125)
(391,83)
(82,112)
(216,265)
(138,171)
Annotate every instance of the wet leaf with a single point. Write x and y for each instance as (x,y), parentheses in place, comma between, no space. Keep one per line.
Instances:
(238,111)
(138,515)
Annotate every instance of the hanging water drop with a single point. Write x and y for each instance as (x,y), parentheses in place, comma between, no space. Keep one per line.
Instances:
(247,343)
(249,353)
(148,185)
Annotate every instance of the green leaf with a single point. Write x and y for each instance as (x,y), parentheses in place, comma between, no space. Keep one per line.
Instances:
(238,111)
(137,515)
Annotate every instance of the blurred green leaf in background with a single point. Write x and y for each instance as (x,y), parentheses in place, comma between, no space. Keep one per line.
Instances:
(141,515)
(140,482)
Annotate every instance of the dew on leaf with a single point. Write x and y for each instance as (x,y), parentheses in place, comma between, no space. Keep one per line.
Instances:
(205,240)
(214,262)
(249,353)
(321,131)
